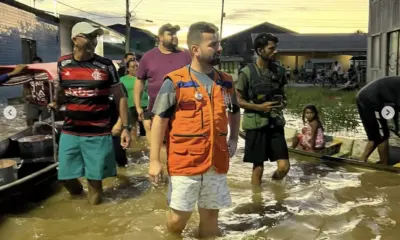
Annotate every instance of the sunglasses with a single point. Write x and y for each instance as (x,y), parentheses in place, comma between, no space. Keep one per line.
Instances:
(90,37)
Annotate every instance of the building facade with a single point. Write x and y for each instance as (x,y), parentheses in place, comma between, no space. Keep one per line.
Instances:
(383,39)
(26,32)
(241,44)
(295,49)
(140,40)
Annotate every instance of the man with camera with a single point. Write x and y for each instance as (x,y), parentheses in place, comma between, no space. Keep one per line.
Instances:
(260,91)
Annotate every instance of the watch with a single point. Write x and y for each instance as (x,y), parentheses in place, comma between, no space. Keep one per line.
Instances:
(127,127)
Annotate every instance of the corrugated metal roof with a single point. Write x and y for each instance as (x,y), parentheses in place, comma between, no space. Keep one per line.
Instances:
(320,42)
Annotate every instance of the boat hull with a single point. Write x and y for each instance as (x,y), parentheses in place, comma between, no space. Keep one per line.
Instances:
(342,150)
(34,175)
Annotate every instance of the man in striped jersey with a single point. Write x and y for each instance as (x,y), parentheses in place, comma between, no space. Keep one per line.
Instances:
(86,82)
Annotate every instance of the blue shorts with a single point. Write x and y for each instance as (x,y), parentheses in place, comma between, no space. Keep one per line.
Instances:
(90,157)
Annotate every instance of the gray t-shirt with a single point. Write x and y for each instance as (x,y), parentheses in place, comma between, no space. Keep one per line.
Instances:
(164,105)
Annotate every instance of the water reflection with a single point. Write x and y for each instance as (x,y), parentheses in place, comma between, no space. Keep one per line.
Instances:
(315,201)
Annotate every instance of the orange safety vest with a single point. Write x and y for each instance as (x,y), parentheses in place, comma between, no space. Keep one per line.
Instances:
(196,136)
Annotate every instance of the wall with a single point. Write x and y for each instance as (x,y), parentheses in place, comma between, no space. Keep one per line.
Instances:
(65,36)
(384,17)
(16,24)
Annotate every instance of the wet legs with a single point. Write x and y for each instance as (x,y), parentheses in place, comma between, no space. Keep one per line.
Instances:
(95,189)
(383,150)
(208,226)
(283,166)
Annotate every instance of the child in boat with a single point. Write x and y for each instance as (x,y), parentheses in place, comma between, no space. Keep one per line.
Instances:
(312,135)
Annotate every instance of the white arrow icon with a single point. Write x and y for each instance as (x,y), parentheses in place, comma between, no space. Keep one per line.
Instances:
(10,112)
(387,112)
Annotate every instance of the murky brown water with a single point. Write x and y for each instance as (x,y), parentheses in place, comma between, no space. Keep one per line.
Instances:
(315,201)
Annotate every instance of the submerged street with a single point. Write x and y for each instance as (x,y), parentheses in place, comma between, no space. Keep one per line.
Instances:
(316,201)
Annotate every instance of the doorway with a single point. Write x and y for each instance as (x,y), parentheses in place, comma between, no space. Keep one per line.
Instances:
(28,47)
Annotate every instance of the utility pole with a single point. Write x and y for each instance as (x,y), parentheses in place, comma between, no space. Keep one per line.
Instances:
(222,18)
(127,28)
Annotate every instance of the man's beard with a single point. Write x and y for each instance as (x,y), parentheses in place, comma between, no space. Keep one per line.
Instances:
(215,60)
(169,45)
(267,59)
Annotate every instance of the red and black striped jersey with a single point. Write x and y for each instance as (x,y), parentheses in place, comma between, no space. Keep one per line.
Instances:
(87,86)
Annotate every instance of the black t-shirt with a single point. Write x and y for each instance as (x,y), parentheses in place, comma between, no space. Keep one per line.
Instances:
(121,71)
(381,92)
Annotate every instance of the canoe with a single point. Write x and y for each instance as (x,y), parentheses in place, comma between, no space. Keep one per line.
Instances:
(34,174)
(344,150)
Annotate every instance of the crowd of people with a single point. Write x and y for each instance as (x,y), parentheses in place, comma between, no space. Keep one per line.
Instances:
(181,101)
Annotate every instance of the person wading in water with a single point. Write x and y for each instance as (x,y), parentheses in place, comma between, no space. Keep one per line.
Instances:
(378,102)
(86,82)
(260,90)
(152,68)
(192,104)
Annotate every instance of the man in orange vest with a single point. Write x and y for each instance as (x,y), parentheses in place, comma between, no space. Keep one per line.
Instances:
(192,108)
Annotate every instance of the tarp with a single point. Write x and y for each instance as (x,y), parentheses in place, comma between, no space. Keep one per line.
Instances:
(38,71)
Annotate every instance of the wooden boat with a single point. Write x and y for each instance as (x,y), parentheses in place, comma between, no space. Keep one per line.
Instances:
(34,174)
(344,150)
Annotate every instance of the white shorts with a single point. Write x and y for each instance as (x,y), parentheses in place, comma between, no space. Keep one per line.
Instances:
(210,191)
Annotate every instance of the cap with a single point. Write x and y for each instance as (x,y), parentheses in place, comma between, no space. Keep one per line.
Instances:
(168,27)
(86,28)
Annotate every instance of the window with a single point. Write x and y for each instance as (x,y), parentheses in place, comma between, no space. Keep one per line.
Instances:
(375,53)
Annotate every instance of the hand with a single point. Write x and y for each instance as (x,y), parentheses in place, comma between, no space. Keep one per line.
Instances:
(232,146)
(140,113)
(267,106)
(52,106)
(155,171)
(125,138)
(28,98)
(17,70)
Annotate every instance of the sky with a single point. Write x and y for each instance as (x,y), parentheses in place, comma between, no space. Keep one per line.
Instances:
(303,16)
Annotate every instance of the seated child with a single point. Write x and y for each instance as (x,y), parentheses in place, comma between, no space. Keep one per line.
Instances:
(312,135)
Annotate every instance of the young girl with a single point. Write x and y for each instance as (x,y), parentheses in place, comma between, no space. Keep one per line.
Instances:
(312,135)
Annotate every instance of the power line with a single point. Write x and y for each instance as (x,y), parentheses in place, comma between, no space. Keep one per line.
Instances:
(137,5)
(80,9)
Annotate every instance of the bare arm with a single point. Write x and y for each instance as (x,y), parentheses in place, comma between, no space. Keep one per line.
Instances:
(158,129)
(137,92)
(123,110)
(245,104)
(234,117)
(234,124)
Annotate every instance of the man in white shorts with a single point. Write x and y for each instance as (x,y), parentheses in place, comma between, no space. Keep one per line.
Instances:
(192,107)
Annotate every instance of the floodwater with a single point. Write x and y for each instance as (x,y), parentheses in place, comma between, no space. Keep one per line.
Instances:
(316,201)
